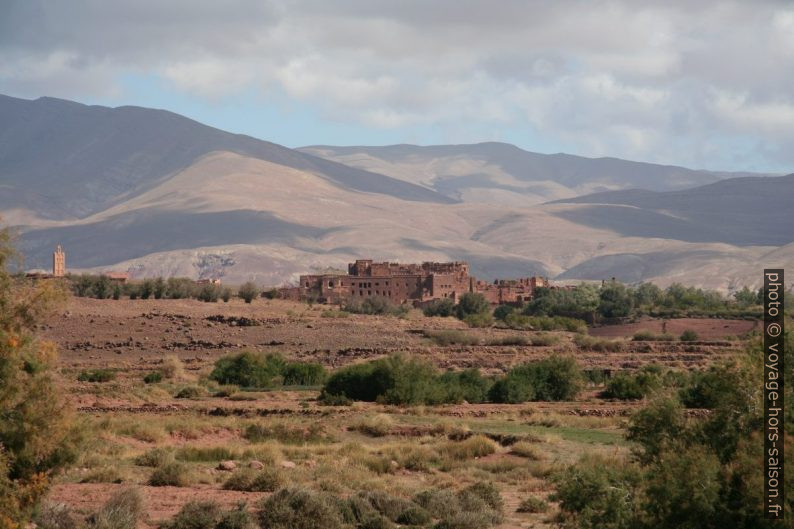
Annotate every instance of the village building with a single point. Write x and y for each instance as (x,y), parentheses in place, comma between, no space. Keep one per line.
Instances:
(58,262)
(409,283)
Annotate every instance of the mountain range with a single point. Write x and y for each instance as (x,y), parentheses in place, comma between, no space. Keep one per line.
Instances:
(154,193)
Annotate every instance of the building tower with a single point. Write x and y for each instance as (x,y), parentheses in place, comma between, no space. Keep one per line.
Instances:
(58,262)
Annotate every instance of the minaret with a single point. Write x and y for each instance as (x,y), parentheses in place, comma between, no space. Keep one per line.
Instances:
(58,262)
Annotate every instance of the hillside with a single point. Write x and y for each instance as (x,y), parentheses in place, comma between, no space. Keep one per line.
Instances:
(153,193)
(65,160)
(499,172)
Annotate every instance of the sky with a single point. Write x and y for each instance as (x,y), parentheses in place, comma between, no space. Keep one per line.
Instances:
(705,84)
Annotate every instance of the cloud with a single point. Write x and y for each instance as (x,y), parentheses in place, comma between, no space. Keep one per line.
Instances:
(661,81)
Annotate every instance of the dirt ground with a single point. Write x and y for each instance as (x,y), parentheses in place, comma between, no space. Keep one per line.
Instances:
(706,328)
(134,337)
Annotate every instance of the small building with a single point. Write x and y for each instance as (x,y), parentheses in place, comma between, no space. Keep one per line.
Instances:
(58,262)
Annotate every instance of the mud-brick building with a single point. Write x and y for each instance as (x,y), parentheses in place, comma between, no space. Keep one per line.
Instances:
(510,291)
(400,283)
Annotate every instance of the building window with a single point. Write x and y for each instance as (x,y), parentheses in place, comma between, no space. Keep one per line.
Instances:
(331,284)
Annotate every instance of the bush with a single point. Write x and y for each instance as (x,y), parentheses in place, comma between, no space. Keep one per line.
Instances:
(474,446)
(471,304)
(598,492)
(196,515)
(373,425)
(689,336)
(122,511)
(265,480)
(650,336)
(209,293)
(191,392)
(533,505)
(226,294)
(96,375)
(439,307)
(303,374)
(591,343)
(248,291)
(153,377)
(482,319)
(503,311)
(56,516)
(375,305)
(155,457)
(471,508)
(554,378)
(170,474)
(517,321)
(238,518)
(172,368)
(296,508)
(707,389)
(467,385)
(270,294)
(626,386)
(248,370)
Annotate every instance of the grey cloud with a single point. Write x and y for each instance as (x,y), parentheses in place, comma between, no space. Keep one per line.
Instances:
(688,82)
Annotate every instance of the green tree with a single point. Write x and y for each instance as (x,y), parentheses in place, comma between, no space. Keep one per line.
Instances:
(158,288)
(248,291)
(101,289)
(615,301)
(36,436)
(471,303)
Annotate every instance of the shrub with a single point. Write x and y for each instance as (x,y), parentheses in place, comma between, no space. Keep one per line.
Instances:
(707,389)
(270,294)
(96,375)
(598,492)
(303,374)
(503,311)
(513,388)
(527,450)
(626,386)
(470,304)
(172,368)
(209,293)
(248,291)
(397,380)
(414,515)
(375,305)
(533,505)
(373,425)
(153,377)
(191,392)
(211,453)
(285,433)
(451,337)
(472,508)
(554,378)
(122,511)
(170,474)
(296,508)
(196,515)
(439,307)
(474,446)
(56,516)
(247,369)
(591,343)
(266,480)
(155,457)
(689,336)
(516,340)
(650,336)
(482,319)
(467,385)
(226,294)
(238,518)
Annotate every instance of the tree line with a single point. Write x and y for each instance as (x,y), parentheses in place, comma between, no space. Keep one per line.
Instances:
(103,287)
